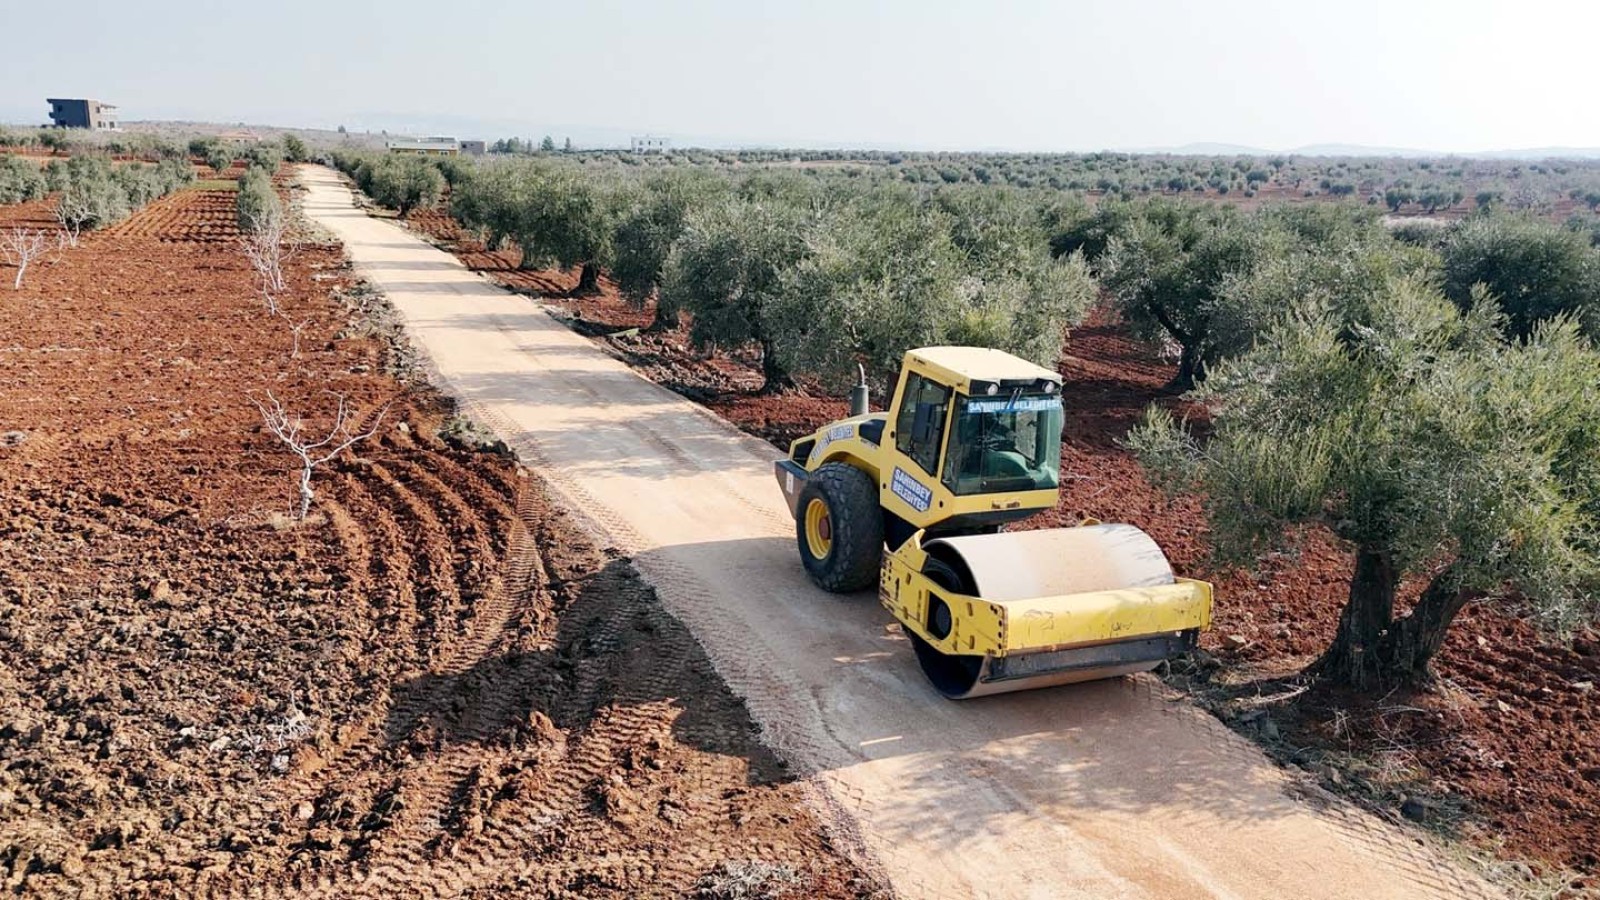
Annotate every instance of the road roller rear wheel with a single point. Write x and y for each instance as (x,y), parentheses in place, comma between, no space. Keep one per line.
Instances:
(839,528)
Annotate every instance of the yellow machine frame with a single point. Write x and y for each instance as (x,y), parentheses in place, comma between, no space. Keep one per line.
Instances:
(1099,633)
(1038,624)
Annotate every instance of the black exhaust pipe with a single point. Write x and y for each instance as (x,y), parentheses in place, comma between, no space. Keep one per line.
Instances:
(858,394)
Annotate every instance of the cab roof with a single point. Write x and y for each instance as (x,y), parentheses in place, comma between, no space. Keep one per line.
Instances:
(963,365)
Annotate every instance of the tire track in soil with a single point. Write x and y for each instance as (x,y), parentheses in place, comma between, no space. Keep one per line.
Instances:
(129,877)
(433,572)
(433,784)
(536,784)
(427,782)
(782,728)
(490,615)
(356,551)
(478,528)
(357,744)
(631,720)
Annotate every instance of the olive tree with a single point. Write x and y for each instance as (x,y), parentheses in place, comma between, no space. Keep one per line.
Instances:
(1535,269)
(881,275)
(565,221)
(1331,255)
(488,202)
(20,180)
(727,270)
(556,213)
(648,221)
(402,183)
(1165,267)
(295,150)
(1075,228)
(1026,313)
(892,268)
(1586,226)
(1013,293)
(455,169)
(256,204)
(219,157)
(1437,448)
(91,202)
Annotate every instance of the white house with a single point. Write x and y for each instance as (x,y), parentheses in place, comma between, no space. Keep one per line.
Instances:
(652,144)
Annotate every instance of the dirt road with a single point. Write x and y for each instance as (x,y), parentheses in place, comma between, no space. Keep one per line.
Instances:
(1110,790)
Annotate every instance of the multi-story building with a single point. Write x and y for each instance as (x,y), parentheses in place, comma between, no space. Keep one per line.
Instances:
(91,114)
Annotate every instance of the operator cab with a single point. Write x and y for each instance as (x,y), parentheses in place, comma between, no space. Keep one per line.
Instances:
(998,443)
(986,426)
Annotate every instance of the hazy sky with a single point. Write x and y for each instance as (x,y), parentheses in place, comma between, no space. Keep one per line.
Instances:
(1450,75)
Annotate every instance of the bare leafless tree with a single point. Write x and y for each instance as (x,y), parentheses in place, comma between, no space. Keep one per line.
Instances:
(289,429)
(22,246)
(268,247)
(72,210)
(295,329)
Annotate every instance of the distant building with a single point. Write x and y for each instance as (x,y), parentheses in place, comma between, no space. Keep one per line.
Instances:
(474,148)
(431,146)
(91,114)
(651,144)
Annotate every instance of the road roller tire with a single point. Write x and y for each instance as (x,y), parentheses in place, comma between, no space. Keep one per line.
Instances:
(839,528)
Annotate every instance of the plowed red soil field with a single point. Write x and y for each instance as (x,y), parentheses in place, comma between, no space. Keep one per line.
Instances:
(434,686)
(196,216)
(1503,753)
(33,214)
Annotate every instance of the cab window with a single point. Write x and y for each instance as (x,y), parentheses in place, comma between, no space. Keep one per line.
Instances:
(919,430)
(1005,443)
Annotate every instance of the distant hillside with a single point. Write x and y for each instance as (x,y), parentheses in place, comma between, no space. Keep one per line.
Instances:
(1214,149)
(371,130)
(1541,153)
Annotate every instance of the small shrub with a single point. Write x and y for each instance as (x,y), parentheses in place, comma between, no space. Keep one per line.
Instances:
(295,150)
(219,157)
(748,880)
(20,180)
(256,203)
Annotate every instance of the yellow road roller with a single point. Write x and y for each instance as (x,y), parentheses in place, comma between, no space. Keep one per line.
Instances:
(915,498)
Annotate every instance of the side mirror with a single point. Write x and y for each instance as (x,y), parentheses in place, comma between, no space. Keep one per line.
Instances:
(925,425)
